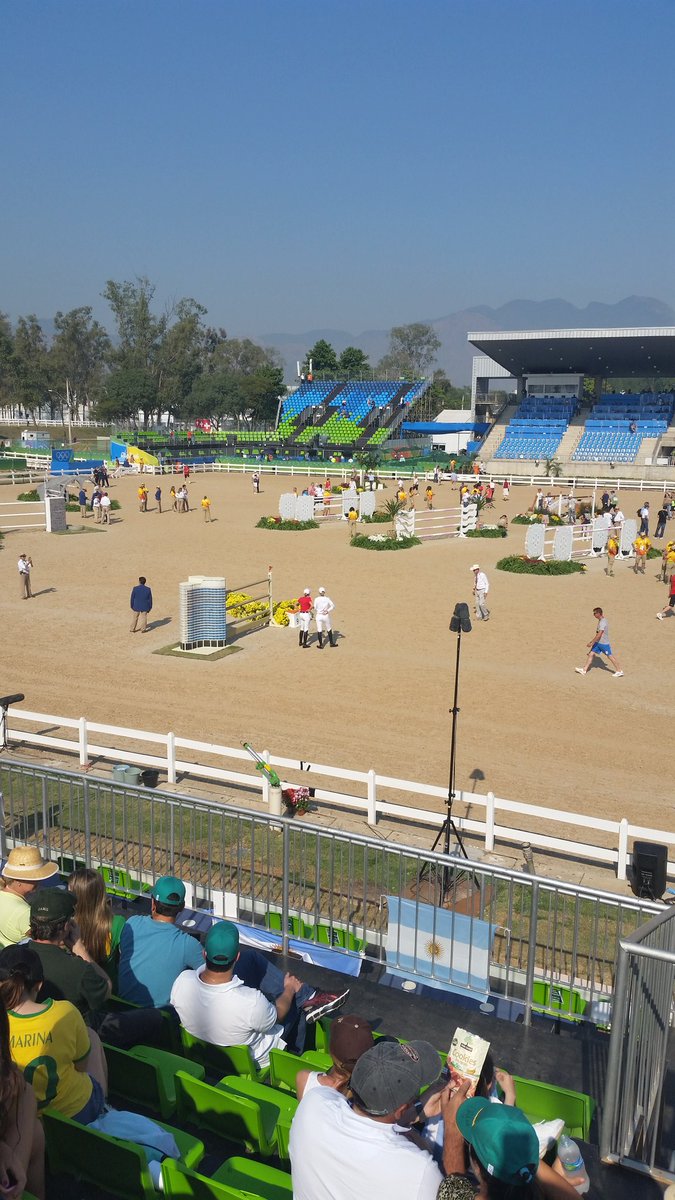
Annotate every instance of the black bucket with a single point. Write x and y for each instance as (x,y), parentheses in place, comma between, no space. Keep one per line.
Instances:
(150,777)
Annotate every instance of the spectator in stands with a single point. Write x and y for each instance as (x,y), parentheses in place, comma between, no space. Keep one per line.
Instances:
(22,1139)
(70,973)
(154,952)
(77,1085)
(100,928)
(21,874)
(339,1150)
(214,1002)
(503,1151)
(350,1037)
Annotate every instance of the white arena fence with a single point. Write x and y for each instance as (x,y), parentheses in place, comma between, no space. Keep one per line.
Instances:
(436,522)
(496,822)
(565,542)
(19,514)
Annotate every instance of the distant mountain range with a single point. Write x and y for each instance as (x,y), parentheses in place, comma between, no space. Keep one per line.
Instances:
(455,353)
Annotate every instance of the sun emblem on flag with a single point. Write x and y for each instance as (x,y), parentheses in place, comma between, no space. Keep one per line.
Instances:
(434,949)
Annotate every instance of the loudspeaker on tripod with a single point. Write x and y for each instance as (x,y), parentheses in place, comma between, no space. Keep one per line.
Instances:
(649,869)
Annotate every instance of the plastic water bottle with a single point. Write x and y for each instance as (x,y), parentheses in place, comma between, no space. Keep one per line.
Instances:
(575,1171)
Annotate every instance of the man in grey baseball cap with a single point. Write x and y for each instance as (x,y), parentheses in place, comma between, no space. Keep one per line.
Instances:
(339,1150)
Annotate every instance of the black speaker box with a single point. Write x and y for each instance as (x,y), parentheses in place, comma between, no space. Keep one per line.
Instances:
(649,870)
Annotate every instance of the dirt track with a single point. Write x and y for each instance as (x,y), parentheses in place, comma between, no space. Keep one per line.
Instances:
(530,728)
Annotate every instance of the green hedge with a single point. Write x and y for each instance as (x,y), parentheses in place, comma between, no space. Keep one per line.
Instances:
(490,531)
(378,518)
(29,497)
(520,565)
(277,523)
(363,542)
(74,507)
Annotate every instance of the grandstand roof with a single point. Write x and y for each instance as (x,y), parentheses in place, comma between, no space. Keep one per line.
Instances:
(610,353)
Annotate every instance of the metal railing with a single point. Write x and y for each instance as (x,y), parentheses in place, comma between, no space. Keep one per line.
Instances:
(633,1132)
(247,864)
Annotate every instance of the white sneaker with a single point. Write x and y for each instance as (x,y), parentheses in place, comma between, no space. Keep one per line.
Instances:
(659,616)
(580,670)
(618,674)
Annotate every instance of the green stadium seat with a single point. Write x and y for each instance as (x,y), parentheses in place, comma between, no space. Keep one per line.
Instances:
(282,1105)
(119,882)
(296,926)
(74,1149)
(267,1182)
(557,1000)
(180,1184)
(544,1102)
(230,1116)
(146,1076)
(284,1067)
(221,1060)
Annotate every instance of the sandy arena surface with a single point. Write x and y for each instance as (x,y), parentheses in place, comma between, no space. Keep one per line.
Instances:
(530,729)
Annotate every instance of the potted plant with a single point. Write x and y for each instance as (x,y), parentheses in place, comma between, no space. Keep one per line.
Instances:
(297,800)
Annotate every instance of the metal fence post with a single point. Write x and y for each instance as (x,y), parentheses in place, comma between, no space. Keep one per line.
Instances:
(285,882)
(531,954)
(608,1130)
(87,823)
(3,832)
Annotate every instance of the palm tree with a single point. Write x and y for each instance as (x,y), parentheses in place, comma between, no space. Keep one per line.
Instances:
(392,509)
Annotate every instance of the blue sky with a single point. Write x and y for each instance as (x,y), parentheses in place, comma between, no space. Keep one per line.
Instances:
(350,164)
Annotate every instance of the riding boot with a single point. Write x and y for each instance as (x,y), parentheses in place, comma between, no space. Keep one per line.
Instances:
(306,639)
(320,637)
(331,636)
(301,638)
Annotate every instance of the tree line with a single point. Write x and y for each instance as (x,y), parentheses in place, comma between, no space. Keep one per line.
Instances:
(171,362)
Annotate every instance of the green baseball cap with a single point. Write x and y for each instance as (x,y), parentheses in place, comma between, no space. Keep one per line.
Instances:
(221,943)
(169,890)
(502,1138)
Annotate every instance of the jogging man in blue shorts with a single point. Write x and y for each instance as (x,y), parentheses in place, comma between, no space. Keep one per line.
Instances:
(600,645)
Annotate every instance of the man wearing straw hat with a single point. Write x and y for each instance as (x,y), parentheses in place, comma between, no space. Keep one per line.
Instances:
(21,874)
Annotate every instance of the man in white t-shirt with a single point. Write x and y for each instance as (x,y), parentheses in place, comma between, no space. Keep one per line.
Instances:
(340,1150)
(481,587)
(216,1005)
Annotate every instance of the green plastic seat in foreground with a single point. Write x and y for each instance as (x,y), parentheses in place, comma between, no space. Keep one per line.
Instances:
(544,1102)
(284,1067)
(221,1060)
(268,1182)
(104,1161)
(281,1105)
(230,1116)
(146,1077)
(181,1184)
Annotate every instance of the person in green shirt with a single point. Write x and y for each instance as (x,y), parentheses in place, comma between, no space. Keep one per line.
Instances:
(21,875)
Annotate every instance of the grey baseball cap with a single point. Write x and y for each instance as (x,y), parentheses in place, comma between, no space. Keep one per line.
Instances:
(392,1074)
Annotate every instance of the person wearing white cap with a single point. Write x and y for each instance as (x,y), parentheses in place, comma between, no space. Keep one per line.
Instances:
(323,607)
(21,874)
(481,587)
(305,606)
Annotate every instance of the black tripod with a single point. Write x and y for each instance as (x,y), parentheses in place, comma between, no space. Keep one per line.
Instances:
(459,623)
(446,877)
(5,703)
